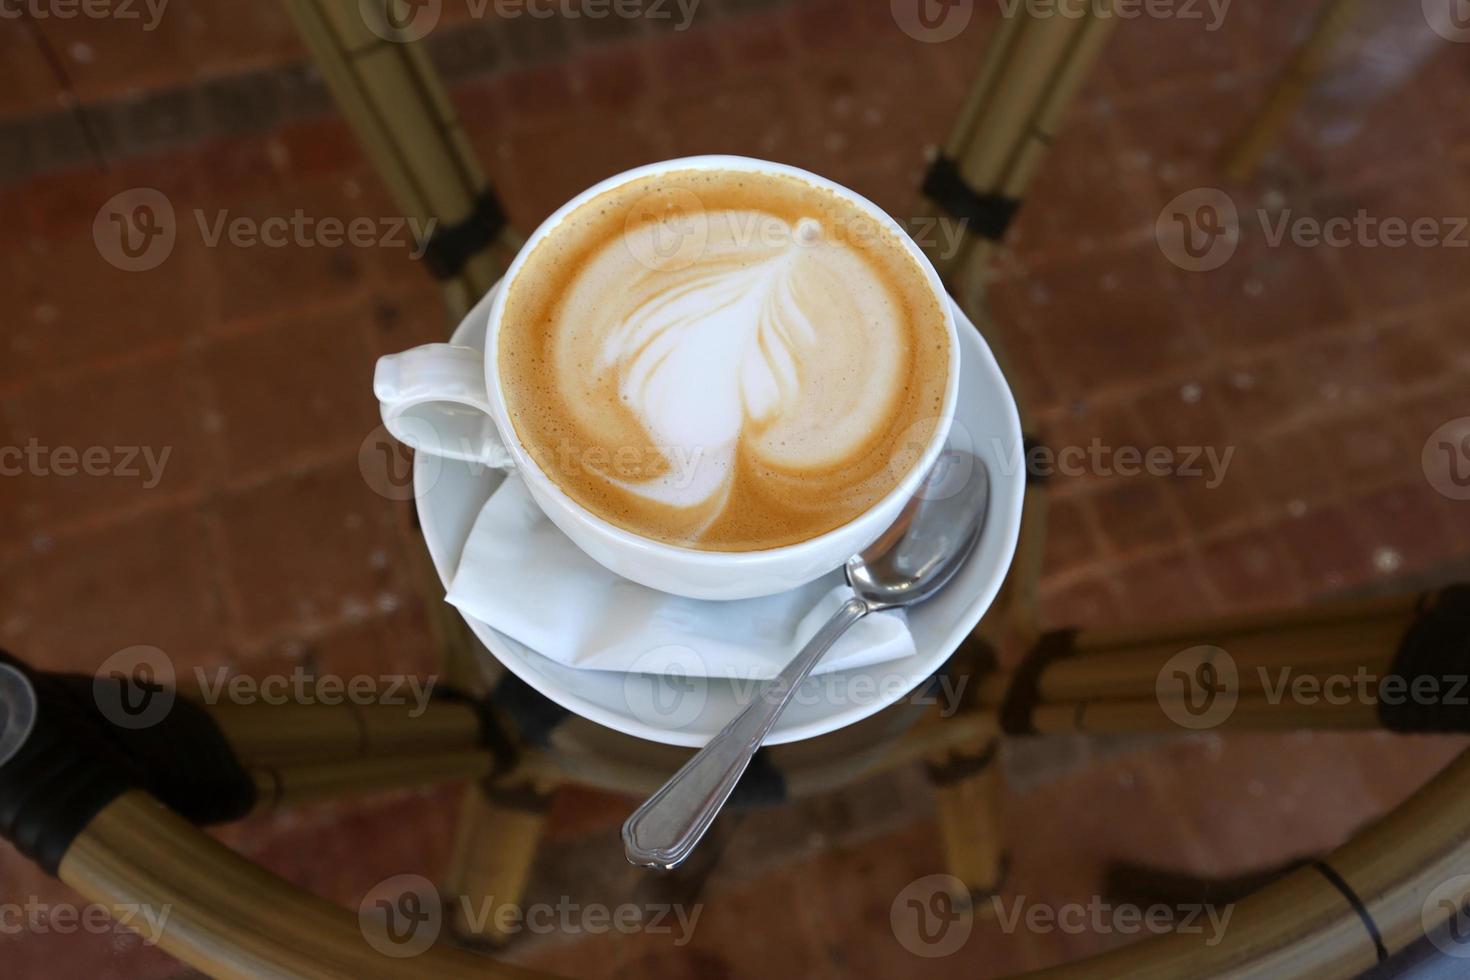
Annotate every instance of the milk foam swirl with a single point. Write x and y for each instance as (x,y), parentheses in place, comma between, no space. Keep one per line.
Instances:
(747,395)
(784,353)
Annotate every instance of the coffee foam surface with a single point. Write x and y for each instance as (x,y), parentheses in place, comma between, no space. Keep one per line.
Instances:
(723,360)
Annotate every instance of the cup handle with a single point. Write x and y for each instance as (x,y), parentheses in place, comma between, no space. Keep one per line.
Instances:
(433,398)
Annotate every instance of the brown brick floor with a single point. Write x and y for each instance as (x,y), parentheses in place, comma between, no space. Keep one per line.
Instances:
(1325,369)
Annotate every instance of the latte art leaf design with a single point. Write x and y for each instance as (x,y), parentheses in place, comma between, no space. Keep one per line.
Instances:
(738,328)
(720,350)
(737,353)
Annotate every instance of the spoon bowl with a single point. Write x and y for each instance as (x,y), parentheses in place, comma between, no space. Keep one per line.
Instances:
(931,539)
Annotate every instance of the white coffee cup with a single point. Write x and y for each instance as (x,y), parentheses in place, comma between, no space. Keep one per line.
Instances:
(447,400)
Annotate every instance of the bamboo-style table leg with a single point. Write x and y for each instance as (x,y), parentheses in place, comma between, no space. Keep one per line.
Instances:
(966,775)
(967,790)
(233,919)
(499,832)
(1306,65)
(390,94)
(1242,672)
(1031,75)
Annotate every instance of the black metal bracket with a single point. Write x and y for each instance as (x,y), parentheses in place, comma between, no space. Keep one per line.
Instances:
(69,753)
(984,214)
(1433,659)
(451,246)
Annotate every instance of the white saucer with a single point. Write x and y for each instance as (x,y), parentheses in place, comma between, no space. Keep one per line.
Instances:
(688,711)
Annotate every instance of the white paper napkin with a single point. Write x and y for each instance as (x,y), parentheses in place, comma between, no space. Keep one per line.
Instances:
(522,576)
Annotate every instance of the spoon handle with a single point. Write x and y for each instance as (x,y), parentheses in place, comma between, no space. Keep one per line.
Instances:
(663,831)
